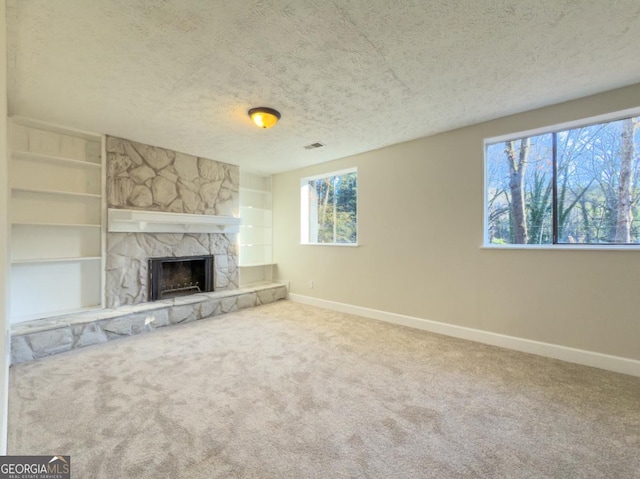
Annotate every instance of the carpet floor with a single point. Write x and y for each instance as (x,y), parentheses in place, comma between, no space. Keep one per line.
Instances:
(288,390)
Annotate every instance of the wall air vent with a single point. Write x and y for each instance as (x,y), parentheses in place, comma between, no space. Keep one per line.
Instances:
(313,146)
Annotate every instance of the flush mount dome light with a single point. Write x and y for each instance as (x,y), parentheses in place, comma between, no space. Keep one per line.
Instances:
(264,117)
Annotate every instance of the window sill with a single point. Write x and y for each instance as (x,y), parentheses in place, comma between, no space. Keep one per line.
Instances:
(349,245)
(563,247)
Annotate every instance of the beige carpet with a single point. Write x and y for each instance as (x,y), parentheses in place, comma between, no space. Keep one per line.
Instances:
(293,391)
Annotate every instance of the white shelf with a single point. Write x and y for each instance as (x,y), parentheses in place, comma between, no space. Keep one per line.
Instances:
(255,208)
(27,155)
(255,190)
(255,265)
(53,192)
(53,128)
(140,221)
(55,260)
(56,225)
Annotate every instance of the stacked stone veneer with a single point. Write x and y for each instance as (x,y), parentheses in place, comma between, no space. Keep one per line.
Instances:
(37,339)
(127,265)
(149,178)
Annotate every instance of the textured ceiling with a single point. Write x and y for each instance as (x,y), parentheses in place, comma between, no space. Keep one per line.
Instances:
(355,75)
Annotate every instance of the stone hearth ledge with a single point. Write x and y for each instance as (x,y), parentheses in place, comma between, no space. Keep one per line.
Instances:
(44,337)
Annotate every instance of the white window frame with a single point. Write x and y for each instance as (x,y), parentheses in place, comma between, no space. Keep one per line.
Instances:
(604,118)
(308,215)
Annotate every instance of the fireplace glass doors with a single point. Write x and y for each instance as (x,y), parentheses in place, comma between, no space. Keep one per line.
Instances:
(182,276)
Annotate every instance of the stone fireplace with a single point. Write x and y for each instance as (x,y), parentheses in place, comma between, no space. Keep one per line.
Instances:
(182,276)
(146,178)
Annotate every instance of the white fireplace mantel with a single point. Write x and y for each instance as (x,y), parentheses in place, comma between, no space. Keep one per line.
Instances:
(139,221)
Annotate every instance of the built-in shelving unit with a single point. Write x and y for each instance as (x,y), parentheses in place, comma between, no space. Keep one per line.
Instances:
(56,211)
(256,250)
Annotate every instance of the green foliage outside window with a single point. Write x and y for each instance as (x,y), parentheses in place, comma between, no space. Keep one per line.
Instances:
(333,200)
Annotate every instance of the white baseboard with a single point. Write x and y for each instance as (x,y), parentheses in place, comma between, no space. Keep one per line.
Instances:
(572,355)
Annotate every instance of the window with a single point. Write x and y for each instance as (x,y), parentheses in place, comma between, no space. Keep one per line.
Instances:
(569,186)
(329,208)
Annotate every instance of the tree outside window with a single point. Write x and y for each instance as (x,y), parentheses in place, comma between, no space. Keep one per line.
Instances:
(573,186)
(329,208)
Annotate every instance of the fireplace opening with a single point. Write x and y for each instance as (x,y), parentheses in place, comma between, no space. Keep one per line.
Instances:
(182,276)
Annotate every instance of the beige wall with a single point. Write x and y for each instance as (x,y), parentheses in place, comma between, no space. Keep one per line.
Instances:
(4,228)
(420,229)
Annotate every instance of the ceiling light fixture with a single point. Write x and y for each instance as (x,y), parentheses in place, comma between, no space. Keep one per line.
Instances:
(264,117)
